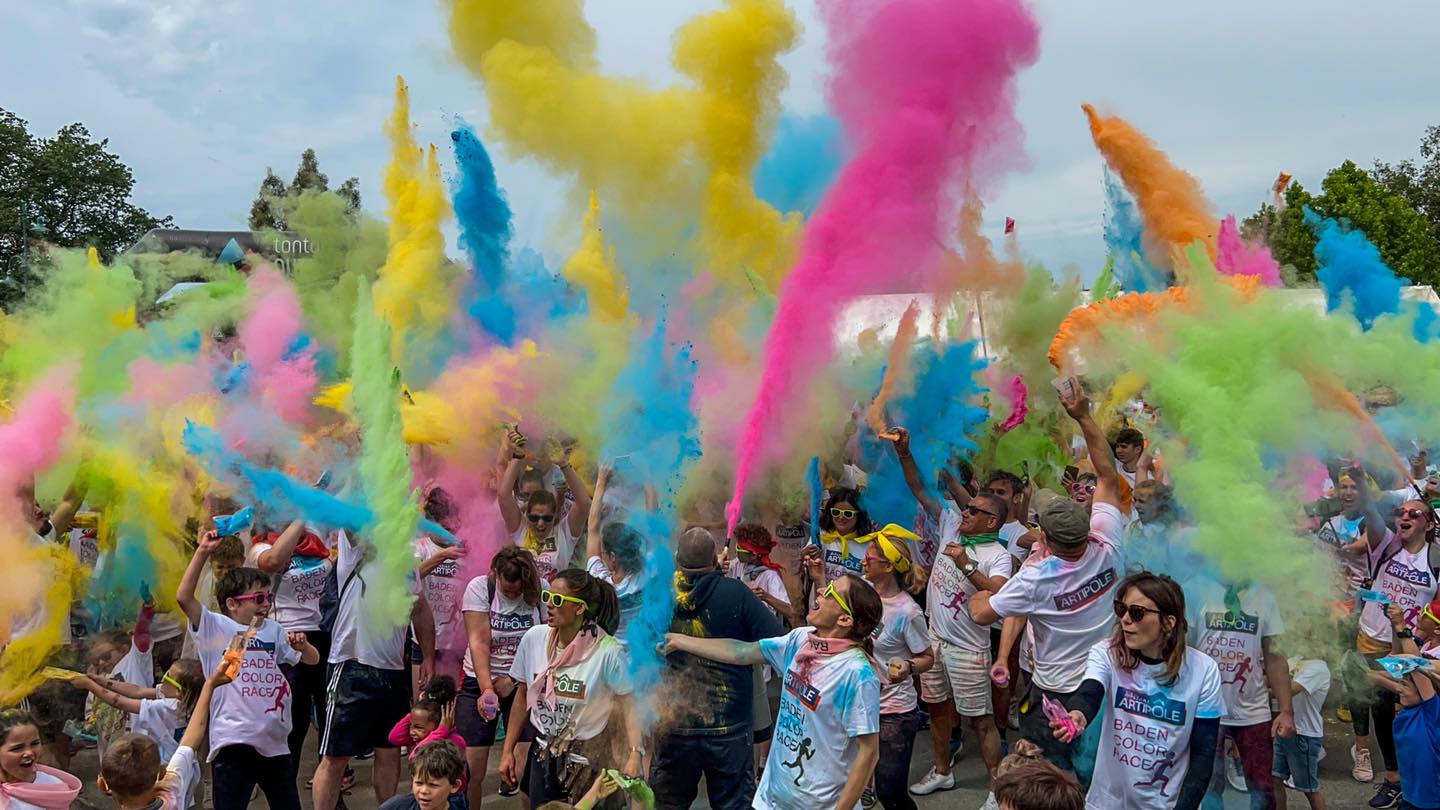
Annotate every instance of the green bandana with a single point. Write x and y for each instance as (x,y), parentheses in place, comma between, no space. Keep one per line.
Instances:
(971,541)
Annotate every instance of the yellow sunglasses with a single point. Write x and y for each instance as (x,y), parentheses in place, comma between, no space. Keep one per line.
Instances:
(167,679)
(839,600)
(555,600)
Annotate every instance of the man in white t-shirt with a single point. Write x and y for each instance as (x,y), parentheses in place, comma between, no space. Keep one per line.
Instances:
(1238,628)
(1066,596)
(368,689)
(971,562)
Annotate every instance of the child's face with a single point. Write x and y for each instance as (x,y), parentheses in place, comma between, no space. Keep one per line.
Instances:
(255,601)
(220,567)
(432,793)
(104,657)
(19,753)
(421,725)
(169,683)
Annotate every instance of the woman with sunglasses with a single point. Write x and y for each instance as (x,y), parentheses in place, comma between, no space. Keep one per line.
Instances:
(844,534)
(1399,571)
(571,678)
(902,647)
(614,553)
(536,524)
(1163,700)
(826,740)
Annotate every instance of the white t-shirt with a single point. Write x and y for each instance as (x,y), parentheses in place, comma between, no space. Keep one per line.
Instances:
(813,747)
(1068,603)
(584,693)
(1145,750)
(354,638)
(1314,676)
(555,553)
(254,710)
(1339,531)
(758,576)
(135,668)
(1236,645)
(160,721)
(948,595)
(298,589)
(841,561)
(509,619)
(443,590)
(1406,579)
(901,635)
(629,593)
(182,776)
(1010,535)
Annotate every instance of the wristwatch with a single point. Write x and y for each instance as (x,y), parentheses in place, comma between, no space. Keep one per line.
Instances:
(970,568)
(1405,632)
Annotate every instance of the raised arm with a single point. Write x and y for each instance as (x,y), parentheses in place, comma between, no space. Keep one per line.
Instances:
(580,509)
(105,694)
(1375,528)
(505,495)
(593,545)
(901,442)
(1107,486)
(275,559)
(185,595)
(194,735)
(720,650)
(62,517)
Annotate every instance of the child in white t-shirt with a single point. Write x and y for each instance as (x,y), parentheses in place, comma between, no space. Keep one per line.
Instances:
(250,726)
(129,771)
(158,712)
(1297,759)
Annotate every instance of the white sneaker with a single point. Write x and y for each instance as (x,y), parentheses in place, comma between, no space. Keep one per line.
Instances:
(932,782)
(990,803)
(1235,774)
(1362,772)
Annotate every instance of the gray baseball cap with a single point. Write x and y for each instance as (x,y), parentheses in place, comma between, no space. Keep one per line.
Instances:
(1063,520)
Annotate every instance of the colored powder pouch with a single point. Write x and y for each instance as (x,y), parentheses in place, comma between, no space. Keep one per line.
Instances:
(1367,595)
(636,788)
(1400,667)
(227,525)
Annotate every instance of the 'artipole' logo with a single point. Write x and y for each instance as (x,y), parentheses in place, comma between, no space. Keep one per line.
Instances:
(1234,622)
(1400,570)
(568,687)
(802,689)
(1156,707)
(1086,593)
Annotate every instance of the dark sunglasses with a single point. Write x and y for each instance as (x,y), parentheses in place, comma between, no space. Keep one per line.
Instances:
(972,509)
(540,518)
(1088,486)
(1413,514)
(261,599)
(1135,612)
(843,513)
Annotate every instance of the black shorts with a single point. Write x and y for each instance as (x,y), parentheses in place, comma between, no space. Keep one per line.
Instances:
(469,724)
(362,704)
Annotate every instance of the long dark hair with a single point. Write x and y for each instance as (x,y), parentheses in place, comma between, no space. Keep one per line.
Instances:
(192,681)
(602,606)
(845,495)
(1169,599)
(867,610)
(511,563)
(625,544)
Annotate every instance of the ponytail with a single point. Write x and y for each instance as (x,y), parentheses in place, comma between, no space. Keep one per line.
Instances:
(602,605)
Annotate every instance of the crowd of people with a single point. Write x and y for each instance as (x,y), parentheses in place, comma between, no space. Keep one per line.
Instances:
(1075,636)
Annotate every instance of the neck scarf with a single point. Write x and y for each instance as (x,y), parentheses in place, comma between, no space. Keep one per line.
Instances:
(844,540)
(575,653)
(816,650)
(49,796)
(534,543)
(762,553)
(973,540)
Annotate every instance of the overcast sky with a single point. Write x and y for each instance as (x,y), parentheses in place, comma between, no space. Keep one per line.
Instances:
(199,96)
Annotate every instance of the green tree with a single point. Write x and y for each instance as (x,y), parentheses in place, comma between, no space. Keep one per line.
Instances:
(268,210)
(1418,184)
(1404,237)
(68,190)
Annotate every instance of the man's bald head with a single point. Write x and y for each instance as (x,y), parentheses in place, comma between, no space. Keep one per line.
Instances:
(696,550)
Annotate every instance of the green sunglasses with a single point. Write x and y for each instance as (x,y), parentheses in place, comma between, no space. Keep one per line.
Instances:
(839,600)
(555,600)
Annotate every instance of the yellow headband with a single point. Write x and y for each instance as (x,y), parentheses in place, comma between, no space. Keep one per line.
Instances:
(888,548)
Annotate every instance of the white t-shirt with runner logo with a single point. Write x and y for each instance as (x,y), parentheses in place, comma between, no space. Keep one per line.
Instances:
(948,594)
(1145,749)
(1068,604)
(1405,578)
(1314,676)
(442,590)
(901,635)
(584,694)
(509,619)
(1236,645)
(814,748)
(254,709)
(555,553)
(298,591)
(160,721)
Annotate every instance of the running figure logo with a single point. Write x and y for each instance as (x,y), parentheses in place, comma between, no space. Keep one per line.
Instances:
(280,694)
(1242,674)
(1160,774)
(957,604)
(802,753)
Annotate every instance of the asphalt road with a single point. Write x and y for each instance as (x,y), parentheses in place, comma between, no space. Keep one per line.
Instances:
(1341,791)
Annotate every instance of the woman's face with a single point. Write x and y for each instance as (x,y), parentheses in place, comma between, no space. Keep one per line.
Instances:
(1083,491)
(104,657)
(845,516)
(569,614)
(1412,520)
(19,753)
(1145,633)
(510,588)
(876,567)
(165,687)
(541,518)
